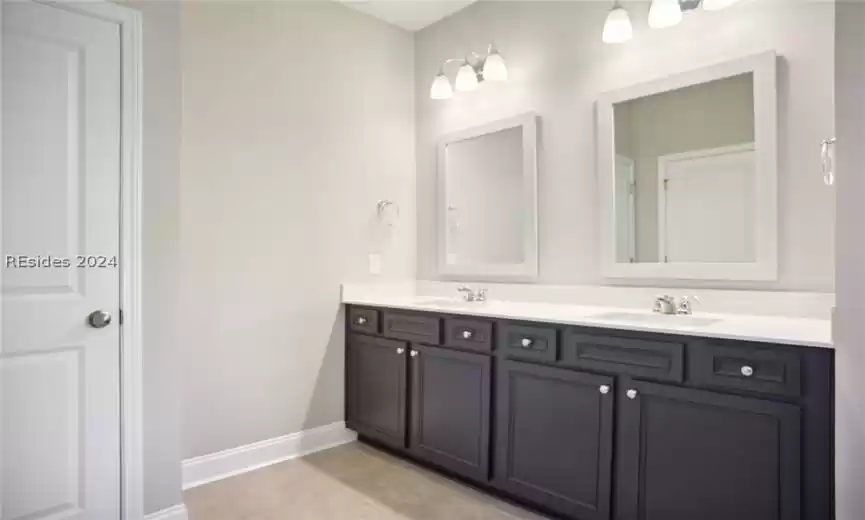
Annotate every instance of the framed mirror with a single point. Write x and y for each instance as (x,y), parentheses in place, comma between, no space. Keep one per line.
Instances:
(487,205)
(687,173)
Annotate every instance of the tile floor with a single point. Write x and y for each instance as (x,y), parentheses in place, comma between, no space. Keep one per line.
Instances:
(353,481)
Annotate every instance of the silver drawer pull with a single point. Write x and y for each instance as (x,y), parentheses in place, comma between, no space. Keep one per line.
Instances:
(413,353)
(400,351)
(361,320)
(467,334)
(747,371)
(605,389)
(632,394)
(526,342)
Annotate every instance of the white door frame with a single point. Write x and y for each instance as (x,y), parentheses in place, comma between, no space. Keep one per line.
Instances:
(131,391)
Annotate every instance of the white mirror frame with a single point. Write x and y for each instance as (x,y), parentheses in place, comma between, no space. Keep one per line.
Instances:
(764,68)
(528,269)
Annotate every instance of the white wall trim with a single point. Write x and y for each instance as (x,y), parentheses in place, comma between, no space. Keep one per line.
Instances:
(235,461)
(177,512)
(131,386)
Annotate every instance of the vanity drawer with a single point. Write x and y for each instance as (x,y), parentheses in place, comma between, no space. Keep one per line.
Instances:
(651,359)
(364,320)
(531,342)
(412,326)
(469,334)
(750,366)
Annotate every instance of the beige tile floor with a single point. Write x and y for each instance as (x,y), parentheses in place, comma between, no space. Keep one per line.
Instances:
(353,481)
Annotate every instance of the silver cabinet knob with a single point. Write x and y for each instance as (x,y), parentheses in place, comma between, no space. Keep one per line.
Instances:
(605,389)
(413,353)
(361,320)
(99,319)
(467,334)
(632,394)
(400,351)
(526,342)
(747,371)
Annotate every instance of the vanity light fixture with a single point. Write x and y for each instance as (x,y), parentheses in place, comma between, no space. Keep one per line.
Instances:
(467,78)
(473,70)
(441,87)
(618,28)
(664,13)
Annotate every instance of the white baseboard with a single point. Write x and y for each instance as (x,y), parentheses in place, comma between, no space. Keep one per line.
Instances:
(224,464)
(177,512)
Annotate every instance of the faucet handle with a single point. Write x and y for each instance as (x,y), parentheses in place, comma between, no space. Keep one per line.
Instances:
(686,303)
(481,295)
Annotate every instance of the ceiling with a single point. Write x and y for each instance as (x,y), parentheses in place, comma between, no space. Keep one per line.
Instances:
(411,15)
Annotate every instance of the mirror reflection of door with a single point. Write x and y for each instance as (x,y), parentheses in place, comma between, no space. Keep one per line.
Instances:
(692,151)
(706,205)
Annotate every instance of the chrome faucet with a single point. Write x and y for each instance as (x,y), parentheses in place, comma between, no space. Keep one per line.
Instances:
(471,295)
(686,304)
(664,305)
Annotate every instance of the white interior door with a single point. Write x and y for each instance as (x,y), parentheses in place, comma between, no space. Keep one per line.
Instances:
(707,206)
(60,180)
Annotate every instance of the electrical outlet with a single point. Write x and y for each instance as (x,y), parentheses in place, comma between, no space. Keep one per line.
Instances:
(374,263)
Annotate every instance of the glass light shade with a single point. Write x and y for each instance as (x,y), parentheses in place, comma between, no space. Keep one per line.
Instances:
(664,13)
(467,78)
(717,5)
(441,88)
(618,27)
(494,68)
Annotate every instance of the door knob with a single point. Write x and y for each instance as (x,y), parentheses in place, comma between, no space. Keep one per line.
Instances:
(632,394)
(99,319)
(605,389)
(400,351)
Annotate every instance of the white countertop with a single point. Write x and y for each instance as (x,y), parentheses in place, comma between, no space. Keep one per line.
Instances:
(767,329)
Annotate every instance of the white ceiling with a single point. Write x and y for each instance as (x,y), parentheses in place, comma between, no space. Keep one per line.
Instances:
(412,15)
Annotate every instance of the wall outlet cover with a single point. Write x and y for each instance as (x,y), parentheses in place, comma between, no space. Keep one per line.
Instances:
(374,263)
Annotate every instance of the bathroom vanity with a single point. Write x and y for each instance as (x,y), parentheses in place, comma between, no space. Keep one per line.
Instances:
(597,422)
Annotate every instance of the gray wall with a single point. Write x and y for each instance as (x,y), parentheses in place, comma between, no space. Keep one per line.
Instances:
(558,66)
(161,231)
(297,118)
(849,333)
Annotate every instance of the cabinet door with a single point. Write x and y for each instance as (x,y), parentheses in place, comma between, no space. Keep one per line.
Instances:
(451,409)
(554,438)
(376,388)
(687,454)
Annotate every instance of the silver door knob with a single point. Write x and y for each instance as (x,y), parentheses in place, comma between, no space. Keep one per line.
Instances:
(400,351)
(632,394)
(467,334)
(526,342)
(99,319)
(414,353)
(605,389)
(361,320)
(747,371)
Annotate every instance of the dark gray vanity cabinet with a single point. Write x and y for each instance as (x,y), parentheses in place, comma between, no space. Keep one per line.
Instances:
(586,423)
(376,388)
(685,454)
(450,409)
(554,443)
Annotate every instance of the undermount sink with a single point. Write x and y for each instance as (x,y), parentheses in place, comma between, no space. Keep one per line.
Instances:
(656,319)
